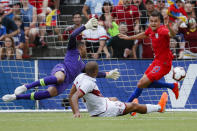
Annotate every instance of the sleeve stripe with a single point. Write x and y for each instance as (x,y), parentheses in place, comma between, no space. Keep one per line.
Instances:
(82,91)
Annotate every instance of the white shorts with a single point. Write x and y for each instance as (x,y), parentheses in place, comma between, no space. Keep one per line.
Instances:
(114,108)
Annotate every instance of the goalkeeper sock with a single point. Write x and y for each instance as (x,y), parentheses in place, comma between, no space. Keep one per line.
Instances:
(136,94)
(152,108)
(159,84)
(34,95)
(43,82)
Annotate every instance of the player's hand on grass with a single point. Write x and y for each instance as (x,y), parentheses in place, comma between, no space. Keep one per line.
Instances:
(113,74)
(92,24)
(77,115)
(125,37)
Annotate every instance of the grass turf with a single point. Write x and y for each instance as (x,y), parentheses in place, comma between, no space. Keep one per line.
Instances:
(179,121)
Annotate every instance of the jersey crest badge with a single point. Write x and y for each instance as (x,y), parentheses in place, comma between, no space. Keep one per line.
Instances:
(130,12)
(156,36)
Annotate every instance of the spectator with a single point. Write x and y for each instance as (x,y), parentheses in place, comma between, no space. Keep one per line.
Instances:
(11,27)
(19,39)
(2,32)
(76,18)
(129,14)
(147,50)
(6,7)
(30,25)
(16,5)
(94,6)
(8,50)
(144,18)
(41,6)
(190,34)
(140,5)
(95,42)
(194,5)
(160,4)
(173,46)
(189,10)
(106,19)
(121,48)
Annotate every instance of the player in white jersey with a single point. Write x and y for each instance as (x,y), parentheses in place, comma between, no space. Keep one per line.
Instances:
(97,105)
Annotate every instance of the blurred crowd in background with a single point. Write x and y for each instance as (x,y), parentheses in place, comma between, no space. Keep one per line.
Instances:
(27,24)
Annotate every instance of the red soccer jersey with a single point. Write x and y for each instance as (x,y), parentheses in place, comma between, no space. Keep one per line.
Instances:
(127,15)
(190,38)
(160,44)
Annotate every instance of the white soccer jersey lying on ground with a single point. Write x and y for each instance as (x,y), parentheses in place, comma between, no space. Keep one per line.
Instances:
(97,105)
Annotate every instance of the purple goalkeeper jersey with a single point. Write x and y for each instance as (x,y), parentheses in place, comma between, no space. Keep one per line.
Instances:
(73,64)
(72,67)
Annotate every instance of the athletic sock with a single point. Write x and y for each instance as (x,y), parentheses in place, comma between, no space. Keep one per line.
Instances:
(135,94)
(34,95)
(159,84)
(43,82)
(152,108)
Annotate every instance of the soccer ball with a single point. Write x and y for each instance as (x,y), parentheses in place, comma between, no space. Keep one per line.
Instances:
(179,73)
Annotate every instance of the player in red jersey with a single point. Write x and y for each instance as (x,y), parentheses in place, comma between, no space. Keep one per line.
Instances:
(160,36)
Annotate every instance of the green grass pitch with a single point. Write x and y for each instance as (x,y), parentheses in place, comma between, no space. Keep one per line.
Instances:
(169,121)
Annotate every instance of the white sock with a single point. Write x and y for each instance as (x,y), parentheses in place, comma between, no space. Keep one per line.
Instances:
(152,108)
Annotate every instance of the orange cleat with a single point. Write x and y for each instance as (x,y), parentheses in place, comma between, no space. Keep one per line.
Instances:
(163,101)
(134,101)
(176,90)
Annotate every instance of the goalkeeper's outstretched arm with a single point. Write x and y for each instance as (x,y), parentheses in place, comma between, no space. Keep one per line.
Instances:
(72,44)
(91,24)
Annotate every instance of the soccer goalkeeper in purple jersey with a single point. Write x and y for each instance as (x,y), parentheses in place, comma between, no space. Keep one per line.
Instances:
(62,74)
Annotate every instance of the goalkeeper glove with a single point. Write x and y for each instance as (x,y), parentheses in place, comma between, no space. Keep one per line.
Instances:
(92,24)
(113,74)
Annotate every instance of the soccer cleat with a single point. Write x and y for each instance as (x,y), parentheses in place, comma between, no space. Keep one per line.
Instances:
(134,101)
(163,101)
(9,97)
(176,90)
(19,90)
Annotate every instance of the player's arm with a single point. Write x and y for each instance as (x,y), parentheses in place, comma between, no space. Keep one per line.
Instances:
(72,92)
(91,24)
(113,74)
(75,95)
(134,37)
(172,32)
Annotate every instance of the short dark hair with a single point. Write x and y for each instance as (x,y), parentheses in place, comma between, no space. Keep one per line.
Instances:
(91,67)
(76,13)
(155,14)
